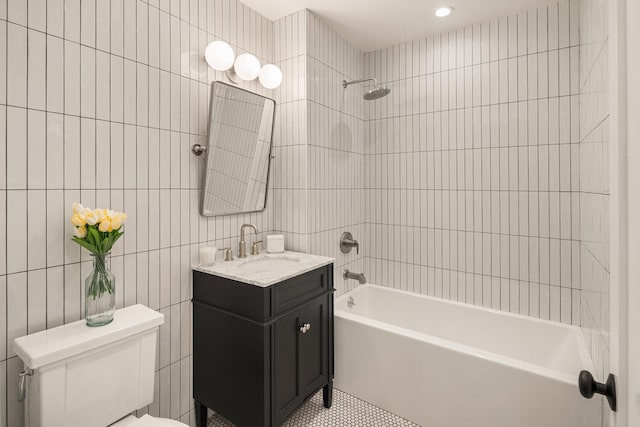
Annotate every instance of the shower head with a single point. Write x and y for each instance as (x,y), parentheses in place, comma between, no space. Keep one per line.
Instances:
(375,93)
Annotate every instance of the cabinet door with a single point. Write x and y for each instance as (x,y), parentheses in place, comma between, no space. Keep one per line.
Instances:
(313,346)
(285,363)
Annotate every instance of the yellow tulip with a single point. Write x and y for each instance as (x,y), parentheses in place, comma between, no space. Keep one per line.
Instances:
(101,214)
(78,220)
(81,232)
(91,218)
(105,225)
(77,208)
(115,223)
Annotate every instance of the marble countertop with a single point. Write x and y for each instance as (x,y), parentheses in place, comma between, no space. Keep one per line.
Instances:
(265,269)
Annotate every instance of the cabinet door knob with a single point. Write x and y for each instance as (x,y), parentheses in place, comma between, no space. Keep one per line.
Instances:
(305,327)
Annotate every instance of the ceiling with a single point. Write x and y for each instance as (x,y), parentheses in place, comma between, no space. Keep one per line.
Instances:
(375,24)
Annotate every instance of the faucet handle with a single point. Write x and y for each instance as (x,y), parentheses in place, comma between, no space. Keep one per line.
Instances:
(347,242)
(228,254)
(254,247)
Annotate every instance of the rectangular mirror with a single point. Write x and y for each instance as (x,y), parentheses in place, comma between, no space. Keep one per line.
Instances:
(238,151)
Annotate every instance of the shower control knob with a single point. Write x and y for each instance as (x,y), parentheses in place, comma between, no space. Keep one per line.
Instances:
(588,387)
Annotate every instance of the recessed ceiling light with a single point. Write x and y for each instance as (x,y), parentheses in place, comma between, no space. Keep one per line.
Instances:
(443,11)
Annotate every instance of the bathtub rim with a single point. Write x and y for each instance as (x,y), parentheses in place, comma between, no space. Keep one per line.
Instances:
(469,350)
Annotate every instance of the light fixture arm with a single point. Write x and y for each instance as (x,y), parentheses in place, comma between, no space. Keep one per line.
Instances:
(232,76)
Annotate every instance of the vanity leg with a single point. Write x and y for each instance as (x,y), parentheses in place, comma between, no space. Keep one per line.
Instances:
(327,395)
(201,415)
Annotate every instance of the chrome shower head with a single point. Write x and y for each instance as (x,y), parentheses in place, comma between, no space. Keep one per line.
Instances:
(376,93)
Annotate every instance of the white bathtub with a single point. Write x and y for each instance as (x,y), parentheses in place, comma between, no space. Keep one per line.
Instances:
(441,363)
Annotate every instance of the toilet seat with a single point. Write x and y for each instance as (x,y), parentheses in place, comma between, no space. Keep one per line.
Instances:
(148,421)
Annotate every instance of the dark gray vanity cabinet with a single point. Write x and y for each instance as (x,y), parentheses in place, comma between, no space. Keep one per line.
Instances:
(260,352)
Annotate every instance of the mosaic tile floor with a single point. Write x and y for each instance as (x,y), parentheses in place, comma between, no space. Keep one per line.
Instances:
(346,411)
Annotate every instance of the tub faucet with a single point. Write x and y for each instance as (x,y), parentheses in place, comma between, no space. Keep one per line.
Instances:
(356,276)
(242,245)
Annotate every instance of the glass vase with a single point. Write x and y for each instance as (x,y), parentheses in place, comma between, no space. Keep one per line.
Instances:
(99,293)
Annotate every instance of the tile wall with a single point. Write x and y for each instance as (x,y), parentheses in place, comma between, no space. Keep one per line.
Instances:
(100,102)
(319,142)
(594,182)
(336,135)
(472,164)
(290,132)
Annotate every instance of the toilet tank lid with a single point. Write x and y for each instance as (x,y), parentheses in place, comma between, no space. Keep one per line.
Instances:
(55,344)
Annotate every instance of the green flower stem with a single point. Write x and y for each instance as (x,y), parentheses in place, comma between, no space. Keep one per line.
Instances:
(100,280)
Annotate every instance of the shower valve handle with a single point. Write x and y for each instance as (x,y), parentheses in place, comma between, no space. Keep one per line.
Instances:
(588,387)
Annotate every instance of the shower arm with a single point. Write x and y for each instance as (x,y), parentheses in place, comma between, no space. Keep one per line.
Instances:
(346,83)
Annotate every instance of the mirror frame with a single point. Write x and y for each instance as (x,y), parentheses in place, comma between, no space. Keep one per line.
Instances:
(208,151)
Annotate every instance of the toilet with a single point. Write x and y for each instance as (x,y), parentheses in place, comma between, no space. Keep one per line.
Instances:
(79,376)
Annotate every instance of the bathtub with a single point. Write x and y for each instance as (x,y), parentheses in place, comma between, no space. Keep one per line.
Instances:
(442,363)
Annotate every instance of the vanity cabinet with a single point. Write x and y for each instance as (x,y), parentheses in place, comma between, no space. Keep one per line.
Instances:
(260,351)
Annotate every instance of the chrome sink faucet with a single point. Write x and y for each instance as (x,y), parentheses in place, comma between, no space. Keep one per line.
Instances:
(242,246)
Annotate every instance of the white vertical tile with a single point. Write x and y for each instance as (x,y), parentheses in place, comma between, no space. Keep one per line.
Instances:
(563,24)
(71,152)
(88,22)
(37,299)
(117,89)
(117,27)
(36,74)
(54,225)
(130,10)
(16,308)
(72,20)
(55,151)
(37,15)
(55,74)
(552,25)
(36,229)
(16,148)
(89,164)
(17,67)
(71,78)
(55,18)
(87,81)
(102,26)
(17,12)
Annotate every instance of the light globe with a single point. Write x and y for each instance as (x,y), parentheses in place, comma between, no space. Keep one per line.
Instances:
(247,66)
(270,76)
(219,55)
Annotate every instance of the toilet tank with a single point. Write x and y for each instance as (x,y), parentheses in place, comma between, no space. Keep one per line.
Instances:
(90,376)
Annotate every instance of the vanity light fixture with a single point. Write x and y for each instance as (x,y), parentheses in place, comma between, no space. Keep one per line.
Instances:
(441,12)
(221,57)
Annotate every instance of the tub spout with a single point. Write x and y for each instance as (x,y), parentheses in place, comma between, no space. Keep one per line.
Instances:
(356,276)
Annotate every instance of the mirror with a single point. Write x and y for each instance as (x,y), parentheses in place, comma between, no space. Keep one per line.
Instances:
(238,151)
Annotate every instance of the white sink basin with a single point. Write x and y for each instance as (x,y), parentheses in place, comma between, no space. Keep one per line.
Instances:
(266,262)
(266,269)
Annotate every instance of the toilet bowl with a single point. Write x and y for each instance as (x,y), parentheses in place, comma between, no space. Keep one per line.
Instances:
(79,376)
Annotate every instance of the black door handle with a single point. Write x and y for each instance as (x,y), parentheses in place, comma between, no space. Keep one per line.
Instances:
(588,387)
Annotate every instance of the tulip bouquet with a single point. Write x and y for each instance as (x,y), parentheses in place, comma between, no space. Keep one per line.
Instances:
(97,230)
